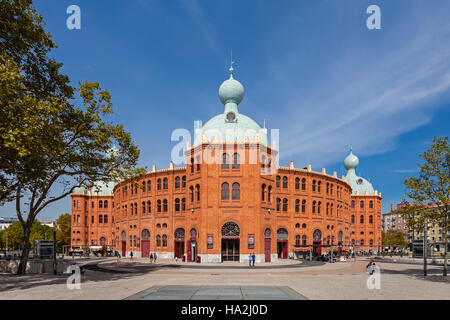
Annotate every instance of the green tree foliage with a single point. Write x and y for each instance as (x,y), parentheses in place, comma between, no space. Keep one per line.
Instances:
(53,137)
(430,192)
(15,234)
(394,238)
(63,230)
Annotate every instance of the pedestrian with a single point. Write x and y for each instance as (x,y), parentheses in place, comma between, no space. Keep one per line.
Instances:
(151,257)
(131,255)
(253,258)
(118,257)
(370,268)
(250,259)
(154,256)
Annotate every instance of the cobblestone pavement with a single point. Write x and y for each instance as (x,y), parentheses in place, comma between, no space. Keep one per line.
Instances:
(343,280)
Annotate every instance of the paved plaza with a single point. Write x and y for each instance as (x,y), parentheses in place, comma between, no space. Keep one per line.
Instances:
(217,293)
(287,279)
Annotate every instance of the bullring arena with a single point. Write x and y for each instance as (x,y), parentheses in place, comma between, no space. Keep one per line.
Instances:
(230,200)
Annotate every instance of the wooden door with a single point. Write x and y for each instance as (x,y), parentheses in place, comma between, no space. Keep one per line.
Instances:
(145,248)
(124,248)
(267,243)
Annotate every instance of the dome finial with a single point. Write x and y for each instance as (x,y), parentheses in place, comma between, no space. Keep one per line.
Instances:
(231,64)
(351,161)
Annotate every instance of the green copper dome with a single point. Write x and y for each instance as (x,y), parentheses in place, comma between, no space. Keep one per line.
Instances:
(359,185)
(231,126)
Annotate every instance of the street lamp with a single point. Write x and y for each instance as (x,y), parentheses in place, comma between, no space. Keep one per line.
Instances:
(192,210)
(268,210)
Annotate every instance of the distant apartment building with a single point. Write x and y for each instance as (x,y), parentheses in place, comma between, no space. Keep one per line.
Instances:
(394,221)
(6,222)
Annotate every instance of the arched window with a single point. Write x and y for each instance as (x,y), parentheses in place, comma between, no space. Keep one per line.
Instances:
(297,240)
(236,161)
(159,184)
(361,204)
(328,188)
(179,234)
(183,182)
(230,229)
(191,193)
(166,184)
(328,208)
(193,233)
(278,204)
(303,184)
(143,187)
(370,219)
(314,185)
(285,182)
(225,192)
(165,205)
(297,183)
(158,240)
(149,207)
(353,204)
(135,188)
(197,191)
(331,209)
(197,159)
(236,191)
(177,182)
(149,185)
(225,161)
(370,204)
(267,233)
(303,206)
(331,188)
(164,225)
(105,219)
(278,181)
(183,204)
(319,204)
(269,194)
(285,204)
(145,234)
(353,219)
(297,225)
(297,205)
(100,219)
(361,219)
(317,235)
(304,240)
(314,207)
(102,241)
(318,186)
(371,242)
(192,165)
(340,235)
(263,192)
(135,209)
(105,204)
(177,204)
(159,205)
(263,162)
(362,242)
(131,209)
(282,234)
(143,207)
(100,204)
(304,226)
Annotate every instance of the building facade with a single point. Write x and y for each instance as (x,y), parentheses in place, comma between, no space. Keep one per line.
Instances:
(394,221)
(230,200)
(6,222)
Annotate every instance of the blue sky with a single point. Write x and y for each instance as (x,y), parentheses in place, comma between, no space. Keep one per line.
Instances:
(310,68)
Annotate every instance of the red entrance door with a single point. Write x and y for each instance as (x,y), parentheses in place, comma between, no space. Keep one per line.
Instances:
(124,248)
(317,248)
(179,249)
(282,248)
(145,248)
(267,249)
(285,250)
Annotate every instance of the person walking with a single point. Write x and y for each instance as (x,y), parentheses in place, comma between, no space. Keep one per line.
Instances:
(253,259)
(151,257)
(250,260)
(131,255)
(118,257)
(154,256)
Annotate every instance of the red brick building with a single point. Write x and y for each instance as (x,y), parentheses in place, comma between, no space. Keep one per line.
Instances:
(230,200)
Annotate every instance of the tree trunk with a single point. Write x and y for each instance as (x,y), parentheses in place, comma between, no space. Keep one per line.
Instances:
(26,247)
(445,245)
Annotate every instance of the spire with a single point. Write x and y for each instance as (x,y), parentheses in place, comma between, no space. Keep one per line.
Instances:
(231,65)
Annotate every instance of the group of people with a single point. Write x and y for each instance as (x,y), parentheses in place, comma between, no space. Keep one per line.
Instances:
(251,260)
(152,257)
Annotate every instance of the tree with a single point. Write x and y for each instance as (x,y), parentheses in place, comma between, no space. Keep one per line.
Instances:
(14,235)
(393,238)
(54,137)
(63,224)
(430,192)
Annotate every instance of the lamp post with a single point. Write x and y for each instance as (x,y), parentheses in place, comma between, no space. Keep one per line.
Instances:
(54,248)
(425,240)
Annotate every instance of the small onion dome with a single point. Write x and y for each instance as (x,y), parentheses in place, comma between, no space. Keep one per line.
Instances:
(351,161)
(231,90)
